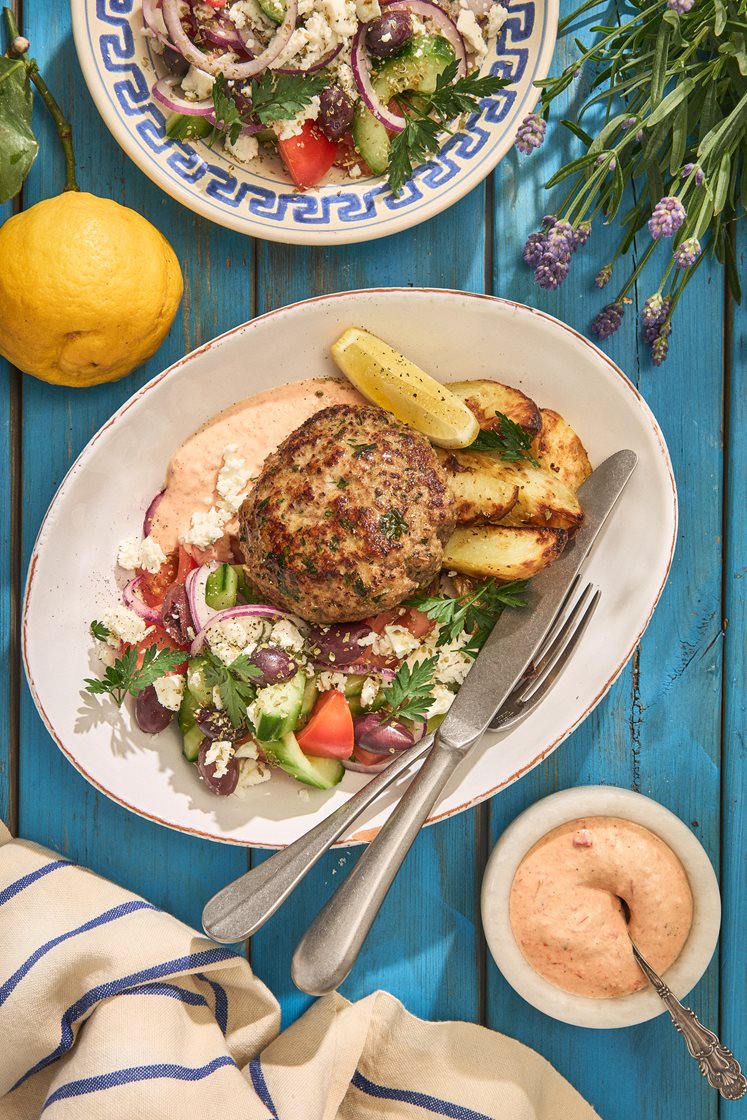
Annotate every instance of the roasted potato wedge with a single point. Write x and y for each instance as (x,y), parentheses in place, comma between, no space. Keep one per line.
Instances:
(559,450)
(482,494)
(485,398)
(543,500)
(503,552)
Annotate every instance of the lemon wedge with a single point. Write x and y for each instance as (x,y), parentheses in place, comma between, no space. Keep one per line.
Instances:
(390,380)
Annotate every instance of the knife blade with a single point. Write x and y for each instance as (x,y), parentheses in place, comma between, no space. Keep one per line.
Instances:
(329,948)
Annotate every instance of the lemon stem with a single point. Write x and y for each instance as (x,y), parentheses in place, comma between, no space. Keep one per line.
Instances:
(18,48)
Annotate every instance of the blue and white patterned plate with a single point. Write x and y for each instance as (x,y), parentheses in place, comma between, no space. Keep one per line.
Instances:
(120,69)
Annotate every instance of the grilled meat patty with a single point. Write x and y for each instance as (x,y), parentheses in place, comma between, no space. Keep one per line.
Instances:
(348,517)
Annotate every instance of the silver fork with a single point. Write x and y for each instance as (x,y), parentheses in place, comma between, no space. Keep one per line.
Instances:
(241,908)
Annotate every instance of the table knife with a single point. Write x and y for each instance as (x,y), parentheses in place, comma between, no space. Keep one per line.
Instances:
(329,948)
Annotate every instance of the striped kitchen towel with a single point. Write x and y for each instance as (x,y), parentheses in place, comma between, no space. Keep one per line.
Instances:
(111,1009)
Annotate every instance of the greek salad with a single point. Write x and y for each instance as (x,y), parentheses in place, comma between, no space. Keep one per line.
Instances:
(368,87)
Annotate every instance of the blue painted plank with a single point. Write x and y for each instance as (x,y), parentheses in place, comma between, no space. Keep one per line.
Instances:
(57,807)
(658,729)
(7,475)
(424,947)
(734,800)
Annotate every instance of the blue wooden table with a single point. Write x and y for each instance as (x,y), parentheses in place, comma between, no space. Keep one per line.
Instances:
(672,727)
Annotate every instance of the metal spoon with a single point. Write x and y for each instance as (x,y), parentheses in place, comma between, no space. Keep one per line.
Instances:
(717,1064)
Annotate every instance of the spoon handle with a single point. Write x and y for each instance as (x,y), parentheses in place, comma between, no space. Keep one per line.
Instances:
(717,1064)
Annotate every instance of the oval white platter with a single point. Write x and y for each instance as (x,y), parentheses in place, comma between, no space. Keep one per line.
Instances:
(259,199)
(454,335)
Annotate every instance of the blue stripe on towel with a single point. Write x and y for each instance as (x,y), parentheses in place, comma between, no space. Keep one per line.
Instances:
(101,920)
(260,1087)
(221,1001)
(114,987)
(420,1100)
(184,995)
(136,1073)
(26,880)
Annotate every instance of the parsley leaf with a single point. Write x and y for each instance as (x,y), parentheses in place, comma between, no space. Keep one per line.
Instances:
(427,115)
(476,613)
(509,439)
(393,524)
(99,630)
(235,683)
(124,677)
(410,694)
(273,97)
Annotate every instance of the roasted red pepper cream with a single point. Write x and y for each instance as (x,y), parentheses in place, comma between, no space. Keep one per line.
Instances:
(565,906)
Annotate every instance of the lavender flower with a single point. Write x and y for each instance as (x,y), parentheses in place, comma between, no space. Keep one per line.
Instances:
(687,170)
(534,248)
(652,308)
(639,135)
(611,166)
(582,234)
(549,221)
(680,6)
(668,216)
(660,349)
(628,123)
(530,133)
(654,313)
(551,271)
(687,253)
(560,240)
(608,320)
(604,276)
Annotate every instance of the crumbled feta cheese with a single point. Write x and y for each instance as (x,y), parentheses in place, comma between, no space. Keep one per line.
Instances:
(228,640)
(471,32)
(219,752)
(354,172)
(246,750)
(124,626)
(341,16)
(345,79)
(366,10)
(170,690)
(400,640)
(205,528)
(497,16)
(197,85)
(304,794)
(217,699)
(245,149)
(369,691)
(128,554)
(286,635)
(248,14)
(287,129)
(443,698)
(329,680)
(251,773)
(234,474)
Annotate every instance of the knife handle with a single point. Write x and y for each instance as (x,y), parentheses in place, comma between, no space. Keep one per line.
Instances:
(328,950)
(243,906)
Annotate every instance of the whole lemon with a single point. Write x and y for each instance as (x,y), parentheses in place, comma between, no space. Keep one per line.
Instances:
(88,289)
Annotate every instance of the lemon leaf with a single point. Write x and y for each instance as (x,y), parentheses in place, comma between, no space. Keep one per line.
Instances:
(18,146)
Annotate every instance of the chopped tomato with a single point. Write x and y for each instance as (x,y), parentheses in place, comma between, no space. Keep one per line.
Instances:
(161,640)
(414,620)
(174,569)
(329,732)
(217,4)
(308,156)
(368,758)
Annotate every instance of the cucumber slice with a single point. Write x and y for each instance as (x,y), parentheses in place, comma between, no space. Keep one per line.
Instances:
(310,694)
(354,684)
(221,587)
(278,707)
(180,126)
(322,773)
(192,736)
(417,67)
(201,692)
(275,9)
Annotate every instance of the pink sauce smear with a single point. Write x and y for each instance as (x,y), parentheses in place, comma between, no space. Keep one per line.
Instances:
(257,425)
(566,915)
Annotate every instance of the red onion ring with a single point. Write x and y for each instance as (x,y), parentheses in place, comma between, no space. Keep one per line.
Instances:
(435,13)
(154,21)
(194,585)
(223,32)
(134,603)
(162,92)
(361,768)
(362,75)
(247,610)
(325,61)
(230,70)
(360,669)
(248,128)
(151,512)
